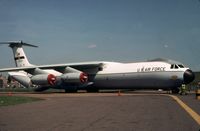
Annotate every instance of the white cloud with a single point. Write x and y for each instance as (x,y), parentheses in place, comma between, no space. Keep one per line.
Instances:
(92,46)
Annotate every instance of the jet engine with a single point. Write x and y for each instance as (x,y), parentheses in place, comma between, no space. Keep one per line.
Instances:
(52,80)
(44,79)
(75,77)
(21,77)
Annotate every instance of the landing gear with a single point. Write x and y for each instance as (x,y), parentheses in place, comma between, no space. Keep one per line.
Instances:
(175,91)
(92,90)
(71,90)
(40,89)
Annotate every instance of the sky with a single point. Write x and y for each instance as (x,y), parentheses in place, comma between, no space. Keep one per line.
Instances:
(95,30)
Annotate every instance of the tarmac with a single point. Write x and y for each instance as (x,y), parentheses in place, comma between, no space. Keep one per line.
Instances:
(130,111)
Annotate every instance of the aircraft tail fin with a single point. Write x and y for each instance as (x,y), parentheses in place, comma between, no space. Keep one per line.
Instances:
(19,55)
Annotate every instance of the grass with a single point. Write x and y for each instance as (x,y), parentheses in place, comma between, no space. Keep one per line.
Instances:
(14,100)
(30,90)
(16,90)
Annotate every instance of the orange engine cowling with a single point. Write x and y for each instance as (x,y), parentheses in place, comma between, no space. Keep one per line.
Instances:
(44,79)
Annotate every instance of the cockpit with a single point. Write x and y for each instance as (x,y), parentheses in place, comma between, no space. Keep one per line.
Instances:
(176,66)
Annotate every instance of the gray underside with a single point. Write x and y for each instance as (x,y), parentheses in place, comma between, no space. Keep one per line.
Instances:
(144,80)
(141,80)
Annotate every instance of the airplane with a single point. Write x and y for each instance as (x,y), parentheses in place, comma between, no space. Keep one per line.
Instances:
(93,76)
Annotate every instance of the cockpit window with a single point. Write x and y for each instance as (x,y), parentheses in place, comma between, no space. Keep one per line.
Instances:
(181,66)
(176,67)
(172,66)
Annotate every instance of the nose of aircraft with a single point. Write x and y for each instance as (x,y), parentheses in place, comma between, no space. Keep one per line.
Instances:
(188,76)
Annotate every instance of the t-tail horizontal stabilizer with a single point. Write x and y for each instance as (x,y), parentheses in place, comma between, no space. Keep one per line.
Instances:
(17,44)
(18,52)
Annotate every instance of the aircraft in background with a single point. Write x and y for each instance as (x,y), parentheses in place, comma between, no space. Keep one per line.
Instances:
(93,76)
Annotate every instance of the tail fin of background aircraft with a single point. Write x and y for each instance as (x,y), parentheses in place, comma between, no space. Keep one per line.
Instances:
(18,52)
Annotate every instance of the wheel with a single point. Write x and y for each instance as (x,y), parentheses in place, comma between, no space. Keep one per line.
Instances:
(92,90)
(175,91)
(71,91)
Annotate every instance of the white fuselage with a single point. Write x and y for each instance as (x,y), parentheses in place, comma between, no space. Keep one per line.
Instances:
(138,75)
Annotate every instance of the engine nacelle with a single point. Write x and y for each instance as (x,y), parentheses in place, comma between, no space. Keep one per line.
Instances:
(21,77)
(44,79)
(75,77)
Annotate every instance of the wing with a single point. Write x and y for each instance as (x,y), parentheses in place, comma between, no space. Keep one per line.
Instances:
(59,67)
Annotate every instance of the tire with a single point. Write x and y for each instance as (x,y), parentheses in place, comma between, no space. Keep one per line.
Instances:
(71,91)
(175,91)
(93,90)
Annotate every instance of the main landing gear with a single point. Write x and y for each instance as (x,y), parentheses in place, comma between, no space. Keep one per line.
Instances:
(175,91)
(92,90)
(71,90)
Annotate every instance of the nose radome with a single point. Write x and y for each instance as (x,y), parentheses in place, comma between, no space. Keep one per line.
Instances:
(188,76)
